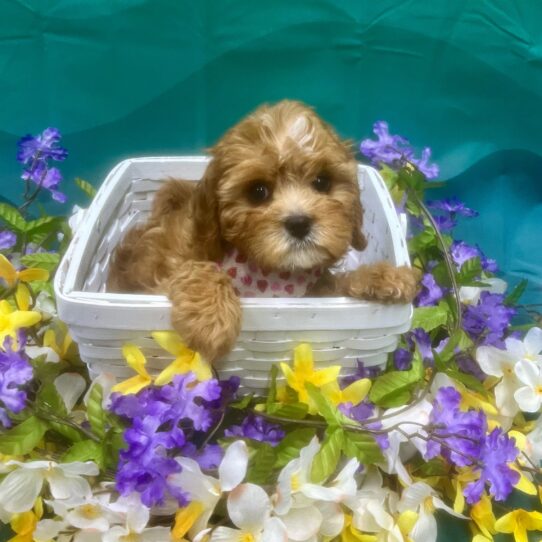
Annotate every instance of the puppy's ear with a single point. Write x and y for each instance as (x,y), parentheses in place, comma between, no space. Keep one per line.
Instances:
(359,242)
(205,214)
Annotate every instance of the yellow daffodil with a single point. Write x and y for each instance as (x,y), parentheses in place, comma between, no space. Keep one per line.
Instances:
(50,341)
(519,522)
(11,320)
(184,519)
(351,534)
(185,361)
(24,524)
(304,373)
(12,276)
(354,393)
(482,514)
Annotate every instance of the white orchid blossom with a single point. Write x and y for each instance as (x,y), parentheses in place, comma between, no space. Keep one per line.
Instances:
(249,508)
(423,499)
(502,363)
(529,396)
(21,487)
(470,295)
(207,490)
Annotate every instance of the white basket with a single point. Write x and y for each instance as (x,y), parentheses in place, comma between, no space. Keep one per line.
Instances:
(340,330)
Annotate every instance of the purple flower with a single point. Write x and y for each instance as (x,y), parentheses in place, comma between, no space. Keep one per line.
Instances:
(462,252)
(361,412)
(165,422)
(431,292)
(456,435)
(468,365)
(46,178)
(41,147)
(15,371)
(402,359)
(430,171)
(497,451)
(257,428)
(445,223)
(207,458)
(452,206)
(487,322)
(388,149)
(7,239)
(361,372)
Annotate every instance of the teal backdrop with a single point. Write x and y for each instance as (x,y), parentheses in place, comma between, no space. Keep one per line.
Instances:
(133,77)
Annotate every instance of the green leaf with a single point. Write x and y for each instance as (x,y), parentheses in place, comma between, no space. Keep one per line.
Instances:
(242,403)
(272,394)
(423,240)
(85,450)
(86,187)
(67,431)
(326,409)
(95,413)
(44,260)
(325,461)
(12,217)
(395,388)
(433,467)
(514,296)
(261,465)
(294,411)
(289,446)
(459,339)
(23,438)
(469,380)
(430,318)
(362,446)
(49,398)
(470,270)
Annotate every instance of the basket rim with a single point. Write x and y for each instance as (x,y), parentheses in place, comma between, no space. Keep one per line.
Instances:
(65,272)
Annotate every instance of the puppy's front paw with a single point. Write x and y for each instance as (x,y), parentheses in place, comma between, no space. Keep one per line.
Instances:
(383,282)
(206,311)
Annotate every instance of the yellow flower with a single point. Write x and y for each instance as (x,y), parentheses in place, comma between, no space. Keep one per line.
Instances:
(519,522)
(351,534)
(184,519)
(11,320)
(482,515)
(12,276)
(304,373)
(524,484)
(49,340)
(24,524)
(185,361)
(354,393)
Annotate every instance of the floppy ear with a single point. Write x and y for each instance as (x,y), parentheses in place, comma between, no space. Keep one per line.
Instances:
(204,210)
(359,242)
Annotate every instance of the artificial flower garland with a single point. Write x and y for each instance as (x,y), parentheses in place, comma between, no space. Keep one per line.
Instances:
(452,424)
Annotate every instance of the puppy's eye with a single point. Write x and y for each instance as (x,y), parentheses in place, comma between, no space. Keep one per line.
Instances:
(258,192)
(322,184)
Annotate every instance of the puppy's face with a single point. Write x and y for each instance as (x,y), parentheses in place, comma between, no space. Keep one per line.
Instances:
(287,193)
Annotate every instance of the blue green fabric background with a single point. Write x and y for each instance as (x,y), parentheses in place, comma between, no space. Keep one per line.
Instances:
(133,77)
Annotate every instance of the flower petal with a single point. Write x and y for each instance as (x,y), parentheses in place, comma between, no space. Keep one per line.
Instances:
(135,359)
(425,529)
(249,506)
(225,534)
(65,487)
(172,343)
(29,275)
(527,399)
(7,271)
(533,341)
(185,518)
(274,530)
(233,467)
(20,489)
(302,523)
(23,297)
(70,387)
(356,392)
(528,372)
(131,385)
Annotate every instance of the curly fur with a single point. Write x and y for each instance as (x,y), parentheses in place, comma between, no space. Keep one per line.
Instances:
(284,147)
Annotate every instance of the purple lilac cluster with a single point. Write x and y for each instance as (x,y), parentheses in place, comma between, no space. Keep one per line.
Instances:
(461,252)
(15,372)
(166,422)
(487,322)
(448,210)
(257,428)
(7,239)
(461,438)
(431,292)
(417,338)
(396,151)
(34,152)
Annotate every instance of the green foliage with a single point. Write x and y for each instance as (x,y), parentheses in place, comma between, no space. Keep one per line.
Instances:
(325,461)
(294,411)
(325,408)
(430,318)
(261,463)
(85,450)
(362,446)
(515,295)
(289,446)
(12,218)
(86,187)
(43,260)
(395,388)
(95,413)
(23,438)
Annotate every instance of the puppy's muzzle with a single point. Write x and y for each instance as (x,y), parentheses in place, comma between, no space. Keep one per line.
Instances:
(299,226)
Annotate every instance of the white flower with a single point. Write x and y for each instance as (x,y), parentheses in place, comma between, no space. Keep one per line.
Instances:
(249,508)
(207,490)
(48,529)
(421,498)
(295,488)
(533,445)
(529,397)
(501,363)
(470,295)
(70,386)
(20,488)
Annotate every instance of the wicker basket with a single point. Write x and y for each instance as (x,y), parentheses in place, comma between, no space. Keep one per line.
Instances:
(340,330)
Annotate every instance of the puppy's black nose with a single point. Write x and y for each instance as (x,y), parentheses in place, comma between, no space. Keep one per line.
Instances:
(298,225)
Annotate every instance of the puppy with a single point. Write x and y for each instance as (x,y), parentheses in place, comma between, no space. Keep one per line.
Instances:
(279,205)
